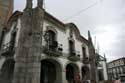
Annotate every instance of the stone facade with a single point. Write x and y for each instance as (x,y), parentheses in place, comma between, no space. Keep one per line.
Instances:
(42,49)
(116,69)
(6,9)
(102,68)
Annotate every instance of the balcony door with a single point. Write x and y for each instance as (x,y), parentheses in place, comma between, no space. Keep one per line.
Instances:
(71,47)
(48,72)
(85,73)
(72,71)
(52,39)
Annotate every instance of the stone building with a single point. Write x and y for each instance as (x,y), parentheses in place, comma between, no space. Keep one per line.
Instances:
(116,69)
(6,9)
(102,68)
(38,48)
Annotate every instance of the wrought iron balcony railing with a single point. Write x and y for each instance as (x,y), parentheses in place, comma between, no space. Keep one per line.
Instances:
(53,51)
(73,56)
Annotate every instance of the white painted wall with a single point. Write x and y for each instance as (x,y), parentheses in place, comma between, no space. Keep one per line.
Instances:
(7,37)
(18,31)
(62,38)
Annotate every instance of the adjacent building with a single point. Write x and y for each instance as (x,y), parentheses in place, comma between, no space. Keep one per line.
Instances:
(38,48)
(102,68)
(116,69)
(6,9)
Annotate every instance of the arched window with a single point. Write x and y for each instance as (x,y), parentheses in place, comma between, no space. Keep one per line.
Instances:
(52,43)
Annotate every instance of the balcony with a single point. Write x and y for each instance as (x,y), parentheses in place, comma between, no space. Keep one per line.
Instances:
(6,50)
(74,56)
(53,50)
(86,60)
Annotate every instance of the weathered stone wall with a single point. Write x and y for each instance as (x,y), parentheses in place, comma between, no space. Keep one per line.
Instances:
(27,67)
(29,52)
(6,9)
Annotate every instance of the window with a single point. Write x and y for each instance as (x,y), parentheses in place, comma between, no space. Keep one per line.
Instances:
(13,39)
(71,47)
(52,40)
(84,52)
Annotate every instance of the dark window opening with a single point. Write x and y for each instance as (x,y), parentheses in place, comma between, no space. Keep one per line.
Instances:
(52,40)
(83,73)
(48,72)
(7,71)
(100,74)
(1,38)
(69,73)
(71,48)
(84,52)
(13,40)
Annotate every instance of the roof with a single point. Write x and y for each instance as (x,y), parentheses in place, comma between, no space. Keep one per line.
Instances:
(123,58)
(51,18)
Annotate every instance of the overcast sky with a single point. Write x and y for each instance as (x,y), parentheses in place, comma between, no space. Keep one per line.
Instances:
(104,18)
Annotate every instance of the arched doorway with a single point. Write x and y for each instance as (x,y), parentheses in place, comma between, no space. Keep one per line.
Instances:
(50,71)
(7,71)
(85,73)
(71,71)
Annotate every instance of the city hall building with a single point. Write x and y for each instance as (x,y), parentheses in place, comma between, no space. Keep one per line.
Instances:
(36,47)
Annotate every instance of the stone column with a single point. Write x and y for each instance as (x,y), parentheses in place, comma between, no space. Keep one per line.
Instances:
(64,76)
(40,4)
(29,4)
(80,73)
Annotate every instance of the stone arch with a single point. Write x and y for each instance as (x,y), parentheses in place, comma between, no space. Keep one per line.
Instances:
(52,29)
(7,71)
(85,72)
(72,70)
(54,68)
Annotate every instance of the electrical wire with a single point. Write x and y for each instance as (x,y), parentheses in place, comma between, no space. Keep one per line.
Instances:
(81,11)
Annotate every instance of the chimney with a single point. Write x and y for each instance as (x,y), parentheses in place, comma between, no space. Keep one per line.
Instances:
(29,4)
(40,4)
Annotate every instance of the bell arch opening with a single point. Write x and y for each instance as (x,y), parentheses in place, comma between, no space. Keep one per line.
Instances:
(51,71)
